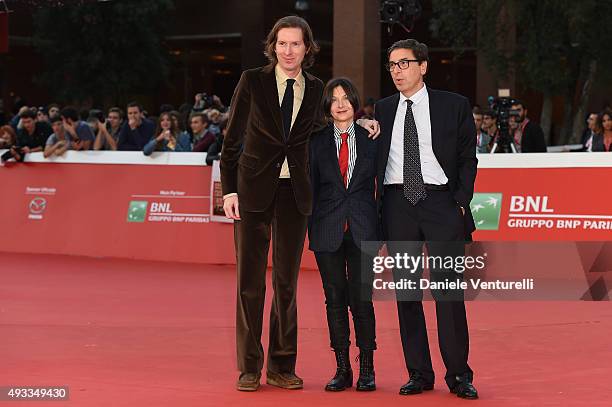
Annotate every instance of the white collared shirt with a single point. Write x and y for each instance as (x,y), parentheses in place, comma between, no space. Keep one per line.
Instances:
(430,167)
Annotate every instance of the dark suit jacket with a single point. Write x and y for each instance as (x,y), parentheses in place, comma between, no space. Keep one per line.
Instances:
(453,140)
(598,143)
(533,139)
(254,147)
(333,204)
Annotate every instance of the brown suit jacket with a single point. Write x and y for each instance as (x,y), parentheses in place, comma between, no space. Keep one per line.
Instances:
(254,147)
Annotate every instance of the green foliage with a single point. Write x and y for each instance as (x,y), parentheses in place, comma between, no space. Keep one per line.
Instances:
(102,50)
(546,43)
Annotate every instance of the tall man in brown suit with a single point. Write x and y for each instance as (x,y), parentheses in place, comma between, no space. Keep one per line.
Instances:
(266,187)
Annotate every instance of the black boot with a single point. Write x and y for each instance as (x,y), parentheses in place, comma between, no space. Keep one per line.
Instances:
(366,380)
(344,374)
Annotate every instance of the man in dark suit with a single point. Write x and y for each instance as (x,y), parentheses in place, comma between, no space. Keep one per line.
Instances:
(425,177)
(529,136)
(266,187)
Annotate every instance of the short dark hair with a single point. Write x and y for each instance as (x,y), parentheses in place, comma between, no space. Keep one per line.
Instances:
(70,113)
(135,104)
(166,108)
(201,115)
(116,110)
(28,114)
(349,89)
(517,102)
(477,111)
(55,118)
(420,50)
(491,113)
(312,48)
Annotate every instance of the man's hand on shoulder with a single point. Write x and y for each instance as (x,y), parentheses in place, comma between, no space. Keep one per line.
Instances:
(371,126)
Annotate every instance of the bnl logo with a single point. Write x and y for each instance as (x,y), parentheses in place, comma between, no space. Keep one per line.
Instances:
(486,209)
(137,211)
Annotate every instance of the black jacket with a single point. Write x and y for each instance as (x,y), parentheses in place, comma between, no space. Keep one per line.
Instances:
(533,139)
(453,137)
(333,204)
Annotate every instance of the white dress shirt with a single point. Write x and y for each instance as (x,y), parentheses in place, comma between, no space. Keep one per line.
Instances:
(430,167)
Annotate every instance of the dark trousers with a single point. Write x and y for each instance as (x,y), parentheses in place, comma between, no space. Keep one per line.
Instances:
(346,286)
(287,227)
(437,219)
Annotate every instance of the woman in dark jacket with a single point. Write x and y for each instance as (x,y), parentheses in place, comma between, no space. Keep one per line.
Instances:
(343,170)
(603,141)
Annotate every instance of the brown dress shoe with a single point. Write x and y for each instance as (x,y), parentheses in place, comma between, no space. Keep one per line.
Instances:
(248,381)
(284,380)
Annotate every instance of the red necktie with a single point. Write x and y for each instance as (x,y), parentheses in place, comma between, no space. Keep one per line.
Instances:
(343,158)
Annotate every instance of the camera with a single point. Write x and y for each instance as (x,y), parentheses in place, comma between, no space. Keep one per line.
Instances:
(402,12)
(502,107)
(15,152)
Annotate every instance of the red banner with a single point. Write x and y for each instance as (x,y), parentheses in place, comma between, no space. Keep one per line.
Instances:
(96,204)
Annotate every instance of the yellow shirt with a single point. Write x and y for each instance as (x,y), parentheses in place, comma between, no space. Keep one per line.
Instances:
(298,95)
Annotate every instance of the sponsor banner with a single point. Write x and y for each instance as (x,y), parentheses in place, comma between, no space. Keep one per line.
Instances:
(169,207)
(542,204)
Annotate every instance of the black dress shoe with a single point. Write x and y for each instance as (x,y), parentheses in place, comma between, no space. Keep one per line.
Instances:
(416,385)
(366,380)
(343,379)
(465,390)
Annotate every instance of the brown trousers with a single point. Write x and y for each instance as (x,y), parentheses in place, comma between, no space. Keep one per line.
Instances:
(287,226)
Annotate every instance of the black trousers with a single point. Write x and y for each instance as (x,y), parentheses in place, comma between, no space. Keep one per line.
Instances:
(346,287)
(286,226)
(436,219)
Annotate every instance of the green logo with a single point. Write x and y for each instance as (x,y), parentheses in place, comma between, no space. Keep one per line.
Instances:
(137,211)
(486,208)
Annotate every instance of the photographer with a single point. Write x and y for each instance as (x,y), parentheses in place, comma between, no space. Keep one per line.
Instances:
(29,139)
(57,143)
(7,141)
(204,102)
(528,135)
(80,134)
(108,130)
(7,137)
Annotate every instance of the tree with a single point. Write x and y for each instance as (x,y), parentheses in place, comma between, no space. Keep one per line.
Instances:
(552,46)
(102,52)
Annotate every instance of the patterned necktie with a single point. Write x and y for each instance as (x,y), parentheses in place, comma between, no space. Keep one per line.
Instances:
(287,107)
(343,158)
(414,188)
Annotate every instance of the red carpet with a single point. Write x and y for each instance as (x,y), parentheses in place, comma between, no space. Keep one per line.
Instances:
(133,333)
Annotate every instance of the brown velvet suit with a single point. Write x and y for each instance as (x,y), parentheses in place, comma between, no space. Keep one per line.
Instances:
(253,152)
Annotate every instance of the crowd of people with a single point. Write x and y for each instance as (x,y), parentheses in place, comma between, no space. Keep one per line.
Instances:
(200,127)
(54,130)
(527,136)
